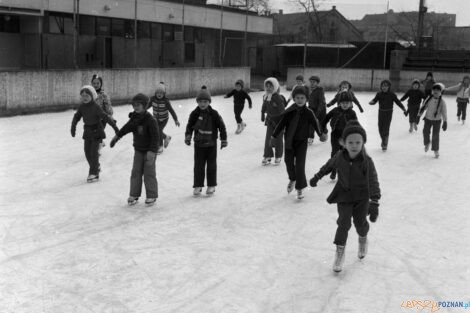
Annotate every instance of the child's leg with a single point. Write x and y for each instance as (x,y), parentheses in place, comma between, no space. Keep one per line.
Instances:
(426,132)
(335,146)
(94,156)
(199,166)
(300,152)
(290,165)
(344,223)
(413,114)
(360,211)
(238,109)
(436,128)
(268,150)
(211,159)
(459,108)
(161,127)
(382,125)
(279,145)
(464,111)
(150,177)
(86,149)
(136,174)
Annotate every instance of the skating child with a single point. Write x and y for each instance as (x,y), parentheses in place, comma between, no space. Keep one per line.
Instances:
(205,122)
(356,193)
(103,100)
(345,86)
(415,96)
(299,83)
(239,96)
(436,112)
(338,118)
(93,131)
(161,106)
(428,83)
(296,121)
(316,103)
(271,110)
(146,138)
(463,95)
(386,98)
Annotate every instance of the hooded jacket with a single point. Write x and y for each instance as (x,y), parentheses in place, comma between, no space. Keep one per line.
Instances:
(273,104)
(205,124)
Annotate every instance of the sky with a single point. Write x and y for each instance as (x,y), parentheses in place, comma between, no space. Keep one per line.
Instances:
(356,9)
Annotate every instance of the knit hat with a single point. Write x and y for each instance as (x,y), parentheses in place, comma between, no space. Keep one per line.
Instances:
(89,90)
(95,76)
(160,88)
(345,82)
(353,127)
(316,78)
(302,90)
(439,86)
(345,96)
(429,74)
(203,94)
(239,82)
(299,77)
(141,99)
(415,81)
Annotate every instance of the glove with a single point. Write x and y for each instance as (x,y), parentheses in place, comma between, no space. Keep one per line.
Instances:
(405,112)
(373,210)
(223,144)
(150,157)
(314,180)
(113,141)
(72,131)
(187,140)
(324,137)
(444,126)
(371,102)
(361,110)
(177,123)
(262,118)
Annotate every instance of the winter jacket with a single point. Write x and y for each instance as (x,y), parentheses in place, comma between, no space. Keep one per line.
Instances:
(300,131)
(414,96)
(386,100)
(316,100)
(336,98)
(357,178)
(205,124)
(161,107)
(428,86)
(239,97)
(92,115)
(436,109)
(338,119)
(273,108)
(104,101)
(145,130)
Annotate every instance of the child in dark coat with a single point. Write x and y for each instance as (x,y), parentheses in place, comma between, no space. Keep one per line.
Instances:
(415,96)
(239,96)
(356,193)
(146,138)
(271,110)
(338,118)
(93,130)
(463,97)
(296,121)
(428,83)
(161,107)
(299,83)
(436,112)
(316,103)
(345,86)
(386,98)
(205,123)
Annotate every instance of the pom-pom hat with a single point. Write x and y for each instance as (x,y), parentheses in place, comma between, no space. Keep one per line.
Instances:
(353,127)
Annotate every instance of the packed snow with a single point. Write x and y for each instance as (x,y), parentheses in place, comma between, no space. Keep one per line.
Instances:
(70,246)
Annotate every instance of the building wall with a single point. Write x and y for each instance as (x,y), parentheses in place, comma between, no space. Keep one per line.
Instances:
(452,38)
(11,54)
(40,91)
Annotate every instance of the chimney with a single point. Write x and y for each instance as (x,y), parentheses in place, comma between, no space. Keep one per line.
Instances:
(281,12)
(334,7)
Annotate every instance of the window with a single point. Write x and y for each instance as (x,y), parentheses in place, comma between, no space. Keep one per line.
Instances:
(156,30)
(9,23)
(122,28)
(103,26)
(87,25)
(189,52)
(168,33)
(189,34)
(60,23)
(143,29)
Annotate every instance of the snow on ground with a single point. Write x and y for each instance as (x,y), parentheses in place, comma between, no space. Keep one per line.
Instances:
(69,246)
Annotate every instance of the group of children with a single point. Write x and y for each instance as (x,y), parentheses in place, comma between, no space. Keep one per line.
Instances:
(356,192)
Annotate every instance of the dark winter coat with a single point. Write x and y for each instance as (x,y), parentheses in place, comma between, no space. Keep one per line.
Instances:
(428,86)
(386,100)
(357,178)
(316,100)
(414,96)
(145,129)
(239,97)
(161,107)
(273,109)
(338,119)
(336,98)
(92,115)
(300,131)
(206,124)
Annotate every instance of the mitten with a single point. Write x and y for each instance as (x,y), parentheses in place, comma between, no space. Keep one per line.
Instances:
(405,112)
(314,180)
(444,126)
(177,123)
(373,210)
(113,141)
(361,110)
(72,131)
(262,118)
(223,144)
(187,140)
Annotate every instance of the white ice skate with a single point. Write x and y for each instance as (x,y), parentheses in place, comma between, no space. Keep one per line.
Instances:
(239,129)
(290,186)
(458,118)
(242,126)
(411,128)
(266,161)
(277,161)
(166,141)
(150,201)
(197,191)
(426,148)
(92,178)
(132,200)
(210,190)
(415,126)
(463,122)
(436,154)
(361,253)
(300,195)
(339,259)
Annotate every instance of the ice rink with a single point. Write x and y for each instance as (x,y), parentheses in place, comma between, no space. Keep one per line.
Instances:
(68,246)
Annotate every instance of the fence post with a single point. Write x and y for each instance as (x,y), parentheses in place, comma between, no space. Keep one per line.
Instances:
(372,80)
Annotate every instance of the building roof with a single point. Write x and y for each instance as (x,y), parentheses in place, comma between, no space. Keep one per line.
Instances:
(318,45)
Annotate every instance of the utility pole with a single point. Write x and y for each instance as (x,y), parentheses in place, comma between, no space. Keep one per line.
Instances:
(386,34)
(75,33)
(422,10)
(245,39)
(183,56)
(135,33)
(221,30)
(306,39)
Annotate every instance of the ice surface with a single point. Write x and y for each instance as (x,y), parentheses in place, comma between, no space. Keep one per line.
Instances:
(69,246)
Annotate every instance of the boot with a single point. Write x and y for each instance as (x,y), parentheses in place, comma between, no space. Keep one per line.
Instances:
(150,201)
(266,161)
(436,154)
(300,196)
(132,200)
(197,191)
(339,259)
(361,253)
(210,190)
(277,161)
(290,186)
(92,178)
(415,126)
(242,126)
(411,128)
(426,147)
(239,128)
(463,122)
(166,141)
(458,118)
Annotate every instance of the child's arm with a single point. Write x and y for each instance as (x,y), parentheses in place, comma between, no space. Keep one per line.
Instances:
(454,88)
(398,102)
(324,170)
(107,118)
(172,112)
(280,126)
(230,94)
(322,100)
(333,101)
(357,103)
(374,192)
(189,127)
(127,128)
(405,96)
(247,96)
(263,111)
(154,134)
(76,118)
(222,131)
(325,121)
(374,101)
(313,121)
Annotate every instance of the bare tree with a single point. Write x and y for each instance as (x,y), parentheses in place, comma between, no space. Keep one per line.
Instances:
(261,7)
(311,10)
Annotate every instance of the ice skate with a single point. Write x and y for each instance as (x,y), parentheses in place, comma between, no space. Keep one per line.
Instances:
(92,178)
(300,195)
(290,186)
(463,122)
(310,141)
(210,190)
(411,128)
(436,154)
(132,200)
(160,150)
(166,142)
(458,118)
(197,191)
(239,128)
(361,253)
(415,126)
(277,161)
(333,175)
(242,126)
(339,259)
(266,161)
(150,201)
(426,148)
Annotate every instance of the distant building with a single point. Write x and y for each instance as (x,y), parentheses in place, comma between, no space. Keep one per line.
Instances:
(452,38)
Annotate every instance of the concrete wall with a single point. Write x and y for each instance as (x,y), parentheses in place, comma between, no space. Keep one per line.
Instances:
(39,91)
